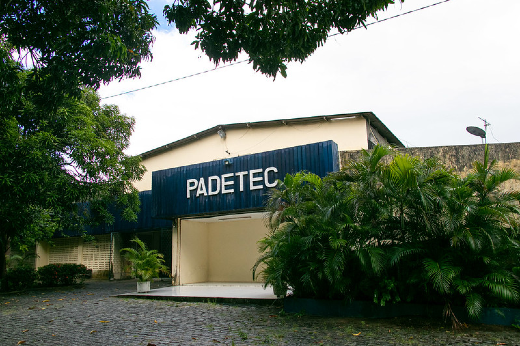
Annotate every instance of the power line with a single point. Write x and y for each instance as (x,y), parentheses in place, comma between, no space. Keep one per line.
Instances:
(242,61)
(393,17)
(174,80)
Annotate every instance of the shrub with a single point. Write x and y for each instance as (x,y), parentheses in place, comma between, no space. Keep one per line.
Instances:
(396,228)
(21,277)
(61,274)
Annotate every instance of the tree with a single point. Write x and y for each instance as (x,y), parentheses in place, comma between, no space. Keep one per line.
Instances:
(64,173)
(62,160)
(272,33)
(81,42)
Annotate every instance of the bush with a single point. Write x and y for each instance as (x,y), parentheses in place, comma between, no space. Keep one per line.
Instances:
(21,277)
(392,228)
(61,274)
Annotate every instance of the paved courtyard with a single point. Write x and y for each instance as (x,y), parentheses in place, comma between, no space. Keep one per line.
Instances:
(90,316)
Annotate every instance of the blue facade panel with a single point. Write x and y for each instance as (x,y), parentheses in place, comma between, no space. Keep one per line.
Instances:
(235,184)
(144,222)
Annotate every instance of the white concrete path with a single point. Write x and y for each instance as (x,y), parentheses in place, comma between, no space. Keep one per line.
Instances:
(211,290)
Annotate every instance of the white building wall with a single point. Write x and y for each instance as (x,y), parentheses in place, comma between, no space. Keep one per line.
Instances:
(193,266)
(349,133)
(94,255)
(233,249)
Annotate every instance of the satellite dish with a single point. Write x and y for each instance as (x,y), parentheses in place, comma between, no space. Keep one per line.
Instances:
(476,131)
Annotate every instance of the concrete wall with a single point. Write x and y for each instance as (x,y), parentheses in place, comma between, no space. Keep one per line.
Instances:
(461,157)
(117,261)
(94,255)
(348,133)
(233,249)
(219,251)
(193,252)
(42,251)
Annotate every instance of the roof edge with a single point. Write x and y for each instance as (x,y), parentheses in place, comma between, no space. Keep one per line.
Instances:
(369,116)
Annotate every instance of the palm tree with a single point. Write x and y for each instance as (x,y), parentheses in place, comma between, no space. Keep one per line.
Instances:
(391,227)
(146,264)
(469,233)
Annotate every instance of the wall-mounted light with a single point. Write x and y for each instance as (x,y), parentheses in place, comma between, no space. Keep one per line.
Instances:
(222,133)
(228,162)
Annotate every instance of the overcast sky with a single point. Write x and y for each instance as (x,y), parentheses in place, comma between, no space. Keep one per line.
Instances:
(426,76)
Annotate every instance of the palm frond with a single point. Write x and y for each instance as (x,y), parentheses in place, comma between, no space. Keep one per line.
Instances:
(441,274)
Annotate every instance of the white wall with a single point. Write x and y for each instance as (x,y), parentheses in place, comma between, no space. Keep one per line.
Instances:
(348,133)
(193,266)
(94,255)
(233,249)
(222,251)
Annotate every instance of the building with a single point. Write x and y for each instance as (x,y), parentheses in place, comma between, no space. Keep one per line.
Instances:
(202,196)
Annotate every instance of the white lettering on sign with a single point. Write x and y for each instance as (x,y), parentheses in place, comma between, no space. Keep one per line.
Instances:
(266,176)
(202,188)
(191,184)
(241,179)
(226,184)
(253,179)
(212,179)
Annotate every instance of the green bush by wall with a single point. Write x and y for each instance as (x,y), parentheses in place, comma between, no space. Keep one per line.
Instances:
(61,274)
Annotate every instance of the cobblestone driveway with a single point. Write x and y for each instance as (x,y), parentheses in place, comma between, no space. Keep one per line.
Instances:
(89,316)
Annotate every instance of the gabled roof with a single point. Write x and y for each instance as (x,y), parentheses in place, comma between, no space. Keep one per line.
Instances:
(369,116)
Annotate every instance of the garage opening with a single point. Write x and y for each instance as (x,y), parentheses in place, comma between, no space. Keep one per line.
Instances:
(220,249)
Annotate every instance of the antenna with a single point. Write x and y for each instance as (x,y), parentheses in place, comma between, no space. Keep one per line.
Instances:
(486,124)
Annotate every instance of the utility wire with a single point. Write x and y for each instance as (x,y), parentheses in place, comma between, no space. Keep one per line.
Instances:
(176,79)
(492,134)
(242,61)
(393,17)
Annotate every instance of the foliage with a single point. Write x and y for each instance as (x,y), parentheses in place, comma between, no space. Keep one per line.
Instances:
(21,277)
(62,169)
(81,42)
(516,324)
(391,227)
(62,158)
(272,33)
(61,274)
(146,264)
(310,248)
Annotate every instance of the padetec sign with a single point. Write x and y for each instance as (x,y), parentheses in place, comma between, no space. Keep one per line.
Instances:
(234,184)
(212,186)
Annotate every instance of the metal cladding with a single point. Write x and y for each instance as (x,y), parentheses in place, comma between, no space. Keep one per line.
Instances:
(144,221)
(235,183)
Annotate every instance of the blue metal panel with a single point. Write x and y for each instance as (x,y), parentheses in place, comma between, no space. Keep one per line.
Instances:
(144,222)
(205,188)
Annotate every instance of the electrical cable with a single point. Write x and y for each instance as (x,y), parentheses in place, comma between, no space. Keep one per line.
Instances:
(242,61)
(493,135)
(393,17)
(174,80)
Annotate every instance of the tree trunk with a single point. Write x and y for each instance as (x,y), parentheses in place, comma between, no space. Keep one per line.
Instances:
(3,262)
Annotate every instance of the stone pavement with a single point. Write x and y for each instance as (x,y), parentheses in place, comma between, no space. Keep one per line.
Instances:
(91,316)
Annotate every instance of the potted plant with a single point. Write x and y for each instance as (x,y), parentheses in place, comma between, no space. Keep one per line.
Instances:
(146,264)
